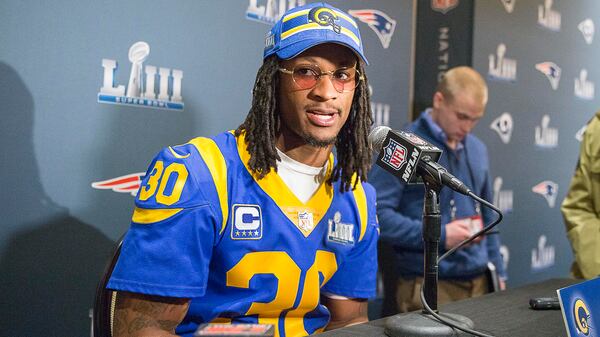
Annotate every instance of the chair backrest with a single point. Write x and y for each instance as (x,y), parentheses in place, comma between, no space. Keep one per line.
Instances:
(105,300)
(492,277)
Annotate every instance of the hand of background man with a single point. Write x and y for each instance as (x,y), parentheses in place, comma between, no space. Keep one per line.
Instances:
(457,231)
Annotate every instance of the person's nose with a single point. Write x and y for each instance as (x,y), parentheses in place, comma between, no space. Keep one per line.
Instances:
(468,125)
(324,89)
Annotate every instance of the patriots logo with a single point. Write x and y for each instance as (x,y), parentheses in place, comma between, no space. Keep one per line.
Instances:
(552,72)
(548,189)
(379,22)
(124,184)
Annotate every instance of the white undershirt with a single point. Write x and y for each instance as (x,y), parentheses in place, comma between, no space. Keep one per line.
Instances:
(303,180)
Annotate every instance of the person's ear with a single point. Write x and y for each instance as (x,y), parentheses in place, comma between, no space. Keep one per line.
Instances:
(438,100)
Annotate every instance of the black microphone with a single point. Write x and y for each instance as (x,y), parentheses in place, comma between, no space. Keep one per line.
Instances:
(404,154)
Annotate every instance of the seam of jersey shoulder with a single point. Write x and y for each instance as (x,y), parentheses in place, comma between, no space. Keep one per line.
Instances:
(203,204)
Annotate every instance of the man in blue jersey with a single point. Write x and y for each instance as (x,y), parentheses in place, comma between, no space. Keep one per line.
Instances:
(458,104)
(263,224)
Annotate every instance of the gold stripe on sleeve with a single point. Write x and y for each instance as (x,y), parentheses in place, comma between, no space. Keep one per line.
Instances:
(361,203)
(215,161)
(147,216)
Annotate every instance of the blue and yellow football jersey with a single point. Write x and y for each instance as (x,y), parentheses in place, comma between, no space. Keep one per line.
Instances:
(245,250)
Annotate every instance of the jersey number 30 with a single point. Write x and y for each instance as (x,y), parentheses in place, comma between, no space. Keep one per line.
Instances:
(159,177)
(281,265)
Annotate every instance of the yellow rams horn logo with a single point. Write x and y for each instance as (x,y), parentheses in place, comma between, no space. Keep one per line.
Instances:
(582,316)
(324,17)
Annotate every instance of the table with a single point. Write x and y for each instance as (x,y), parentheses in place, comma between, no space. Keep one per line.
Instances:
(504,313)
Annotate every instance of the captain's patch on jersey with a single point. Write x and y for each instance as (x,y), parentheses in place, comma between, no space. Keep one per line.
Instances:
(340,232)
(247,222)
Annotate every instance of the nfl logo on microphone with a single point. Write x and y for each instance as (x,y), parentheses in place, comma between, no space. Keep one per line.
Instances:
(394,154)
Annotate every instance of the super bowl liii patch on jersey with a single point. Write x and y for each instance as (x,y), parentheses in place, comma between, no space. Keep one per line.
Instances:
(340,232)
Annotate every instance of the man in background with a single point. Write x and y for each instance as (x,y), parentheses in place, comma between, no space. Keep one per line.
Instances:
(581,207)
(458,104)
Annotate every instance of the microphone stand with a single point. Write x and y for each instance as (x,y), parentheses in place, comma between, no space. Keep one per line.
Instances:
(432,230)
(417,324)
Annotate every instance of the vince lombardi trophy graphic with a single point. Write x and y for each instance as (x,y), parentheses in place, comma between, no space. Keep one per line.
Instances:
(138,53)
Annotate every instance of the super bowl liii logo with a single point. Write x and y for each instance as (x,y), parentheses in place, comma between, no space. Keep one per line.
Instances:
(503,199)
(141,88)
(501,67)
(548,17)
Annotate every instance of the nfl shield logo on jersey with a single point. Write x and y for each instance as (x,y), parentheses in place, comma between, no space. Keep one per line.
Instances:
(394,154)
(305,221)
(247,222)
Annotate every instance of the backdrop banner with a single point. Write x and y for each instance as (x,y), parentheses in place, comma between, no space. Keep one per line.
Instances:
(444,40)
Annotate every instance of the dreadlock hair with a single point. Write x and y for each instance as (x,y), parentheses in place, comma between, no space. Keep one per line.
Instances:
(262,123)
(352,144)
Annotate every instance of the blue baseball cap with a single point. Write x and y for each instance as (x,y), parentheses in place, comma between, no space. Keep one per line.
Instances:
(306,26)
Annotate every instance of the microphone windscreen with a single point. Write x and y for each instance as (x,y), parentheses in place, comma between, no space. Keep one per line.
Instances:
(377,136)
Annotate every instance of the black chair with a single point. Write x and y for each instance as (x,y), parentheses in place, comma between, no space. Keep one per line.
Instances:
(105,299)
(493,278)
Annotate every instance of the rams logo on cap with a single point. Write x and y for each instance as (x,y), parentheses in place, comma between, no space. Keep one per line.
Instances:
(324,17)
(582,316)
